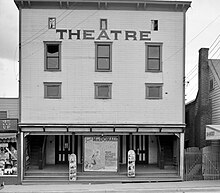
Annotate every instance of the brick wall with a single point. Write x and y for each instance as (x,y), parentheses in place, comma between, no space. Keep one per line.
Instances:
(200,110)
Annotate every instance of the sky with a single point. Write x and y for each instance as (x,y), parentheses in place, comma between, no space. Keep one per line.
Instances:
(202,31)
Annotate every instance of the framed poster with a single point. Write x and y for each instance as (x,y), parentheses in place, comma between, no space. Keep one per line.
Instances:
(101,153)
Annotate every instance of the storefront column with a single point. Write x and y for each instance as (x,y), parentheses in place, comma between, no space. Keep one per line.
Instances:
(73,143)
(130,141)
(181,168)
(22,155)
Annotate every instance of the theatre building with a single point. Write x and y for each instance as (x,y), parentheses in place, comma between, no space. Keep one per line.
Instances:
(97,79)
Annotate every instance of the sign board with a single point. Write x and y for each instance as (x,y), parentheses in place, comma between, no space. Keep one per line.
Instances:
(72,167)
(131,163)
(8,125)
(212,132)
(101,153)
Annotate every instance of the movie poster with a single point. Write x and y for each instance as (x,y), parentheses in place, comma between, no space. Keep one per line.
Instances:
(101,153)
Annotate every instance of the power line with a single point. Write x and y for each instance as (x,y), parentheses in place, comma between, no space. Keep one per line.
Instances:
(214,41)
(73,27)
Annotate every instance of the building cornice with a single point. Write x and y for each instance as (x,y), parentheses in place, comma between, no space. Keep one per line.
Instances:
(177,6)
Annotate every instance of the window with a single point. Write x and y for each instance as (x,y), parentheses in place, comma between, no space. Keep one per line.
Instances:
(154,57)
(52,90)
(103,24)
(52,56)
(3,114)
(103,57)
(211,85)
(51,23)
(153,90)
(154,25)
(103,90)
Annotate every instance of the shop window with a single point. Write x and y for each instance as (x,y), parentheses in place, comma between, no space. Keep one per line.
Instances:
(3,114)
(8,157)
(52,90)
(52,56)
(154,25)
(153,91)
(103,57)
(153,57)
(103,24)
(103,90)
(51,23)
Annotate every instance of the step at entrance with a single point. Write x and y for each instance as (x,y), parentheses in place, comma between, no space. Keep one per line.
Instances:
(45,177)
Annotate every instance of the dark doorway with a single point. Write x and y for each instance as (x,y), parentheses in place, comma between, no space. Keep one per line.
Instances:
(63,148)
(140,146)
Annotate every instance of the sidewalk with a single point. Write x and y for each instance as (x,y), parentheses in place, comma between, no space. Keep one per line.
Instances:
(189,186)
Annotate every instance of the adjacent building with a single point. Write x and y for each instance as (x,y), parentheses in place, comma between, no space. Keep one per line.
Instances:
(203,114)
(99,78)
(9,110)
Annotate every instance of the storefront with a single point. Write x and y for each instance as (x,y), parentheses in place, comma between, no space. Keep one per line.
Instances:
(102,152)
(8,151)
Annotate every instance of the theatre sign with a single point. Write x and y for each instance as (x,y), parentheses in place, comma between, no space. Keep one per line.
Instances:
(89,34)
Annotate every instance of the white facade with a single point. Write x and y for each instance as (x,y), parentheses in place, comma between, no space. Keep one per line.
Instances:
(128,77)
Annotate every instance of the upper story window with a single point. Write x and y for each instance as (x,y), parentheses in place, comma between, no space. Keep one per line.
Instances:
(103,57)
(3,114)
(153,57)
(52,90)
(51,23)
(103,90)
(153,90)
(103,24)
(52,56)
(154,25)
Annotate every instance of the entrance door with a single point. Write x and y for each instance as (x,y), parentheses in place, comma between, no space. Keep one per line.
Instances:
(63,148)
(140,146)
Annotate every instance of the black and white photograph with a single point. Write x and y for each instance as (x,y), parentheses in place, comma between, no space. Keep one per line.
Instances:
(109,96)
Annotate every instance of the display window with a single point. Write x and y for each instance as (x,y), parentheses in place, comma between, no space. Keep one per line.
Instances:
(8,158)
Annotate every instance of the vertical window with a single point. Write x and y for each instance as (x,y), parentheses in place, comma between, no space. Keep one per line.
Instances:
(3,114)
(103,24)
(153,90)
(52,90)
(52,56)
(211,85)
(103,57)
(154,25)
(154,57)
(103,90)
(51,23)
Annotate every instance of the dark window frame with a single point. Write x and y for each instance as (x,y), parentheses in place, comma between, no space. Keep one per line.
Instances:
(153,85)
(154,25)
(52,84)
(97,85)
(105,27)
(4,113)
(211,84)
(97,57)
(148,58)
(51,43)
(53,26)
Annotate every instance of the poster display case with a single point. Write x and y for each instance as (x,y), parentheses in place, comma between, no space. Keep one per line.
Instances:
(101,153)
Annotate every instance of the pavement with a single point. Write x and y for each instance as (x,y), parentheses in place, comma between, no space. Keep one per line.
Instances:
(163,187)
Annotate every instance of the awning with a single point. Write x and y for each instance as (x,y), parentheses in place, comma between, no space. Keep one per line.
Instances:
(7,137)
(212,132)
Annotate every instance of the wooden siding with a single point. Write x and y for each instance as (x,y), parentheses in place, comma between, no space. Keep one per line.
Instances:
(11,106)
(215,100)
(128,76)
